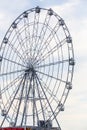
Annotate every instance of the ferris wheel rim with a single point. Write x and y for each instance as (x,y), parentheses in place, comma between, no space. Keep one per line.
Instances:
(70,61)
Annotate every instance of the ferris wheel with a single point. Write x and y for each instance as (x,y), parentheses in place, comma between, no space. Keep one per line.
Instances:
(36,69)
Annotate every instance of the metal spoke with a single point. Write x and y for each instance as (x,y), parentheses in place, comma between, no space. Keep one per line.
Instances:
(10,97)
(50,64)
(16,51)
(22,89)
(25,106)
(26,36)
(35,102)
(13,62)
(8,86)
(40,99)
(48,40)
(13,72)
(50,76)
(19,38)
(42,33)
(28,93)
(51,51)
(10,104)
(26,99)
(36,28)
(33,35)
(48,101)
(49,91)
(36,112)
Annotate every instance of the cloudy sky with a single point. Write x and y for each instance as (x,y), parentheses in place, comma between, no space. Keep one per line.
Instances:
(74,12)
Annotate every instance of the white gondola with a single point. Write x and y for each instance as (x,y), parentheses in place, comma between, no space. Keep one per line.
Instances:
(0,94)
(61,22)
(61,107)
(47,123)
(11,124)
(69,85)
(5,40)
(25,15)
(3,112)
(68,39)
(50,12)
(37,10)
(0,58)
(60,104)
(14,25)
(71,61)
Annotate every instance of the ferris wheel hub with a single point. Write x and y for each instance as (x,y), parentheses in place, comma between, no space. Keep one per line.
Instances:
(30,70)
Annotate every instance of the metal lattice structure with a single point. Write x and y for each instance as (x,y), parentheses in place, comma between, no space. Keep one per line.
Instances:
(36,69)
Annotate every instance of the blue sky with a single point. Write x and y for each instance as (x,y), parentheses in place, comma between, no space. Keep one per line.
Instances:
(74,12)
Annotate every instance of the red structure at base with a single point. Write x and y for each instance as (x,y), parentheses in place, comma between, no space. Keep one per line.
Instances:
(28,128)
(11,128)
